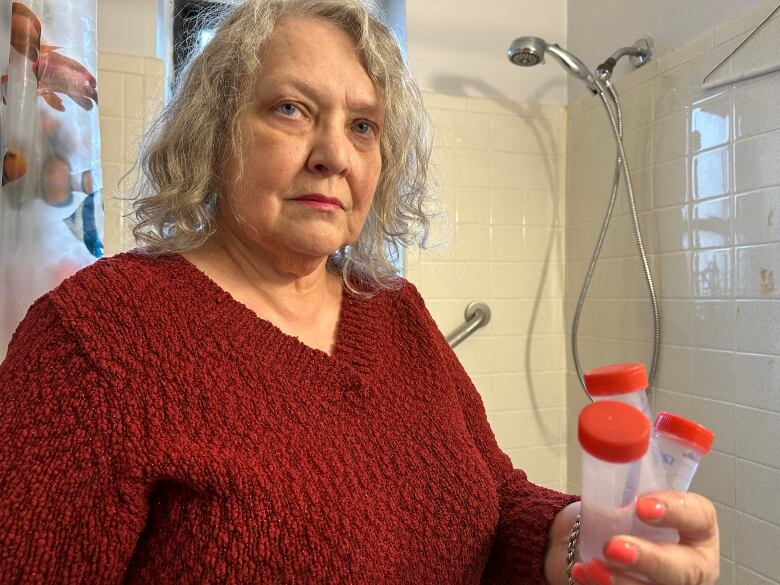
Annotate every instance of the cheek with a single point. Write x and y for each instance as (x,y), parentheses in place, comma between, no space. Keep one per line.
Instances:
(248,201)
(357,222)
(370,181)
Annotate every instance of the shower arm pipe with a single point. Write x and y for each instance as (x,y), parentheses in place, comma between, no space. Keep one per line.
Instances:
(621,164)
(639,53)
(604,71)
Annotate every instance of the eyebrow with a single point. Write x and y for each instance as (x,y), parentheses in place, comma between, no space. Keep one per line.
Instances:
(356,105)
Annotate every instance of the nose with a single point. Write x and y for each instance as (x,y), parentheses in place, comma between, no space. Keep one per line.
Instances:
(330,150)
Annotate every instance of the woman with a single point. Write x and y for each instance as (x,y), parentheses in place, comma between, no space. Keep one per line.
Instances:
(255,398)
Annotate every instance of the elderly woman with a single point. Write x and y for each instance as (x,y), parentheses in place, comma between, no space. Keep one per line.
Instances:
(254,397)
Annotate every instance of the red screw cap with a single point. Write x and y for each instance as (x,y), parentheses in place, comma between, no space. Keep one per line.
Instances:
(685,430)
(614,431)
(616,379)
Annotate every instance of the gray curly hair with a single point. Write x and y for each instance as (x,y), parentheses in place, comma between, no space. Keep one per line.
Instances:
(175,194)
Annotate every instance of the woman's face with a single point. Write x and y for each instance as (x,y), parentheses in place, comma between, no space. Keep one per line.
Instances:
(311,152)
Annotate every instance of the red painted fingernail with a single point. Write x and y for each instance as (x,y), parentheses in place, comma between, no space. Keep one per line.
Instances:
(598,573)
(650,508)
(578,573)
(621,551)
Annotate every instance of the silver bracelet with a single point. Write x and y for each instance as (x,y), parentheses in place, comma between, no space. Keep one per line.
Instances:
(571,548)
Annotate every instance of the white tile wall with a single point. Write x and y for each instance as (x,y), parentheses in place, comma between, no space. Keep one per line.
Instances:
(131,90)
(500,166)
(714,243)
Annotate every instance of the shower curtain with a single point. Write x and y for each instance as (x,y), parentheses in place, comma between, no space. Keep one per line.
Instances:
(51,208)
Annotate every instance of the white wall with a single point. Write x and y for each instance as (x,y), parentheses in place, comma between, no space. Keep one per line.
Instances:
(128,26)
(130,98)
(712,246)
(706,170)
(459,47)
(500,168)
(597,28)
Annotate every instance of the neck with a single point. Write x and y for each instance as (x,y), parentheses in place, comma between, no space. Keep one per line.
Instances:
(295,288)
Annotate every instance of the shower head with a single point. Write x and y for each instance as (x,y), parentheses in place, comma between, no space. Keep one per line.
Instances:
(529,51)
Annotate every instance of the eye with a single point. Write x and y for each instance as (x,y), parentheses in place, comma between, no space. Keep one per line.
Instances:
(364,128)
(288,109)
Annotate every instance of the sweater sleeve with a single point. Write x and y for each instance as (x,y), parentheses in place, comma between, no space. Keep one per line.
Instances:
(65,517)
(526,510)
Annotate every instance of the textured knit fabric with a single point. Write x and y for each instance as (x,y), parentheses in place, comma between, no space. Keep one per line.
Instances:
(154,430)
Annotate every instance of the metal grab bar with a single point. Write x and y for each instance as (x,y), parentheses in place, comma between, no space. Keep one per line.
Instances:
(477,315)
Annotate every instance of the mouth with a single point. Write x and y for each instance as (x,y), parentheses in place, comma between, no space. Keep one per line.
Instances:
(319,201)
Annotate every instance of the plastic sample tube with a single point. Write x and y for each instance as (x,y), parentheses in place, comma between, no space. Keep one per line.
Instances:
(615,438)
(622,382)
(681,444)
(626,382)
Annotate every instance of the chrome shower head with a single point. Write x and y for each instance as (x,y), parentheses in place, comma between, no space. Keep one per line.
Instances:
(529,51)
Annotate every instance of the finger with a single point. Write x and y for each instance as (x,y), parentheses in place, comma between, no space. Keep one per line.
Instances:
(692,515)
(598,573)
(670,564)
(578,574)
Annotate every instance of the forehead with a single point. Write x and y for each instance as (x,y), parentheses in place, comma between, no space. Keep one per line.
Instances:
(318,54)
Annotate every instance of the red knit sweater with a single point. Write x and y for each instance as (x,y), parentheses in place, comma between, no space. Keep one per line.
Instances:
(154,430)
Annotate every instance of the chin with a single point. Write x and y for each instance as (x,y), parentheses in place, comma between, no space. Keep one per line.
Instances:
(322,252)
(319,246)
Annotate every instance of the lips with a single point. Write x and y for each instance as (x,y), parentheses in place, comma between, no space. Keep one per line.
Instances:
(319,200)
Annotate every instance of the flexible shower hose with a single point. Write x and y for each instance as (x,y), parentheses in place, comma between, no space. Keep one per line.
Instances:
(621,165)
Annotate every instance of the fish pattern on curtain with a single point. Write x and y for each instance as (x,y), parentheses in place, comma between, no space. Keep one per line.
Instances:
(51,207)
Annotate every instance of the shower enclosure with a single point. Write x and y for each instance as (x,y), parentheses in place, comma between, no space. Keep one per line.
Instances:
(529,51)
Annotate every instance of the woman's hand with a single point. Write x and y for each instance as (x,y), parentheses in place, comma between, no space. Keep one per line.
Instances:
(694,561)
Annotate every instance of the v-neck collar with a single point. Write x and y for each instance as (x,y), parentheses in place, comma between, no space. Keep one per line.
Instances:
(357,331)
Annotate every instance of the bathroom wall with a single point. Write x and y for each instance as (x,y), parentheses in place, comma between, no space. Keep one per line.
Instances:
(130,95)
(705,169)
(128,28)
(459,48)
(500,169)
(598,27)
